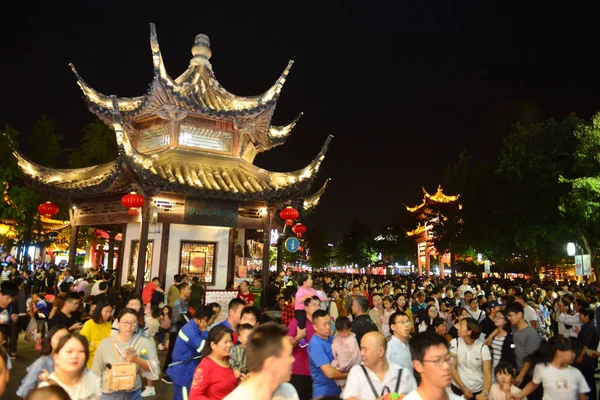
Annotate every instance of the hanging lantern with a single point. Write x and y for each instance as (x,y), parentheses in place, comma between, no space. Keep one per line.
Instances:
(48,209)
(132,201)
(299,229)
(289,214)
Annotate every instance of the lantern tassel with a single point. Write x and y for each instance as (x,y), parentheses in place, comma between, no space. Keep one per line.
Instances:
(132,211)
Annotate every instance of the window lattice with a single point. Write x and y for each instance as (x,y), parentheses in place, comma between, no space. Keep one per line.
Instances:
(193,136)
(153,138)
(198,259)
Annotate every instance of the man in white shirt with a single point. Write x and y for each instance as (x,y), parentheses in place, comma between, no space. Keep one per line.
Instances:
(432,360)
(529,314)
(269,355)
(572,323)
(398,351)
(376,377)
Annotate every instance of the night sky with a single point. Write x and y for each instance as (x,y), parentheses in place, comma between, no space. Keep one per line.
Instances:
(403,86)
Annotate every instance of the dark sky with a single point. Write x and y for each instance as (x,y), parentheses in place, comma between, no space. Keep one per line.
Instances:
(403,86)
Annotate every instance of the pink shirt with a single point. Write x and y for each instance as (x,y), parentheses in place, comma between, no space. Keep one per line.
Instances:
(346,352)
(301,364)
(301,293)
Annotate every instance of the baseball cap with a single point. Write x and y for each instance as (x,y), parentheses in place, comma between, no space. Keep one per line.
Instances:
(495,303)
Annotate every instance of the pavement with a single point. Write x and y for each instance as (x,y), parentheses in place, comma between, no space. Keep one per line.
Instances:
(27,355)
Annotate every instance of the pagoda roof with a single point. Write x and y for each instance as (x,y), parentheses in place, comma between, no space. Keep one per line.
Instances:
(311,202)
(172,170)
(196,91)
(437,198)
(417,231)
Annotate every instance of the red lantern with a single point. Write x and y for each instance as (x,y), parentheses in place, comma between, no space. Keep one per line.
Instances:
(289,214)
(132,201)
(299,229)
(48,209)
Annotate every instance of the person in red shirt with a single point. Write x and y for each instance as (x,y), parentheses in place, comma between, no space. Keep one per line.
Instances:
(245,294)
(214,378)
(149,291)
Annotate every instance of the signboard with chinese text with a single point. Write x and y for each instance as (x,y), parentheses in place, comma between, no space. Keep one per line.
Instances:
(210,212)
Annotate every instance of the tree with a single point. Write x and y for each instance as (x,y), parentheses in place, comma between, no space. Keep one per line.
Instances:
(44,143)
(356,246)
(98,146)
(319,251)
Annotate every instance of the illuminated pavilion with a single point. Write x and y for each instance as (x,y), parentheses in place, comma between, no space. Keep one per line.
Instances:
(188,147)
(422,234)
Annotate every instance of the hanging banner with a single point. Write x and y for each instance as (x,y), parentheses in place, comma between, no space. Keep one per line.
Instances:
(487,266)
(579,265)
(210,212)
(587,265)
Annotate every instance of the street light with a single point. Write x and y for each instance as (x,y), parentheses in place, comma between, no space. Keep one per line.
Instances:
(571,249)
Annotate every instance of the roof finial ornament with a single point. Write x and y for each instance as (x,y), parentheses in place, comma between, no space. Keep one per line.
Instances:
(201,50)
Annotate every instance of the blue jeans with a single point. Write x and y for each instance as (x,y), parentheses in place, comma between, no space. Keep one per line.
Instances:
(133,395)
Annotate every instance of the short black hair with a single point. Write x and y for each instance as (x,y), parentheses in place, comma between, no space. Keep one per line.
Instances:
(587,312)
(307,301)
(9,289)
(303,278)
(343,324)
(421,342)
(235,303)
(514,307)
(244,327)
(319,314)
(251,310)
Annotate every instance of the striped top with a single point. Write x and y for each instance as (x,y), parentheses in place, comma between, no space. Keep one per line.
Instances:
(497,344)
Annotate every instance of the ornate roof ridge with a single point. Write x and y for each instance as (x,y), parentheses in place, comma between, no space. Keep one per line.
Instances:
(437,197)
(311,201)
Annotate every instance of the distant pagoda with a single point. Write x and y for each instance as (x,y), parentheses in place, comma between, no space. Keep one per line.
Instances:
(422,233)
(188,147)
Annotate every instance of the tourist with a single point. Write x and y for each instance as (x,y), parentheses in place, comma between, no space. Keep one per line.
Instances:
(398,351)
(386,313)
(186,352)
(70,357)
(529,314)
(151,314)
(439,326)
(134,303)
(164,325)
(197,294)
(504,375)
(320,357)
(19,308)
(501,341)
(361,323)
(565,317)
(376,377)
(249,315)
(270,361)
(487,324)
(152,292)
(244,293)
(556,376)
(418,303)
(66,316)
(174,292)
(431,312)
(180,318)
(376,311)
(474,311)
(345,348)
(305,291)
(587,339)
(237,357)
(526,342)
(287,313)
(52,392)
(472,372)
(44,363)
(301,373)
(433,362)
(214,378)
(97,328)
(458,314)
(126,346)
(465,287)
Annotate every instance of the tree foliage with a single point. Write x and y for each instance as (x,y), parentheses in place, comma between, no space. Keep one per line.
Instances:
(356,246)
(98,146)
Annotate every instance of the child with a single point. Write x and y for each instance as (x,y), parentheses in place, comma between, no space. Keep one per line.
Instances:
(151,315)
(504,389)
(305,292)
(164,321)
(388,310)
(237,356)
(346,353)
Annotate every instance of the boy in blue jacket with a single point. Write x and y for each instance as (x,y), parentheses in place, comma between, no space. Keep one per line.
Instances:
(189,344)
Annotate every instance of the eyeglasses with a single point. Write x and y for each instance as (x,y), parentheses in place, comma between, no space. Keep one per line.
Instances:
(440,361)
(130,323)
(407,323)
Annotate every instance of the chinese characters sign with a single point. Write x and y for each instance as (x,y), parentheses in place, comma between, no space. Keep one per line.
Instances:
(210,212)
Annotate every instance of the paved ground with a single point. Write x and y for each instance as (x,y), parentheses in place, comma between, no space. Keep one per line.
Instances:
(27,355)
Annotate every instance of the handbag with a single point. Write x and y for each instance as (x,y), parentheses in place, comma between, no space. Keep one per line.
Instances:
(121,376)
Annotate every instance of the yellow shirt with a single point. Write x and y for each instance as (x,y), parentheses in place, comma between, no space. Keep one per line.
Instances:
(95,333)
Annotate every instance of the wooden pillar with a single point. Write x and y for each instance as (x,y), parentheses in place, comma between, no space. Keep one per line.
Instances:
(111,250)
(121,257)
(164,251)
(141,267)
(428,261)
(268,221)
(73,246)
(419,263)
(231,255)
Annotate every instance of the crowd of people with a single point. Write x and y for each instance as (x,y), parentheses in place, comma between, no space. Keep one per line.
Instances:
(338,337)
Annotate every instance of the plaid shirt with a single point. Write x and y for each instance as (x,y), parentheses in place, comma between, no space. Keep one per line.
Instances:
(287,314)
